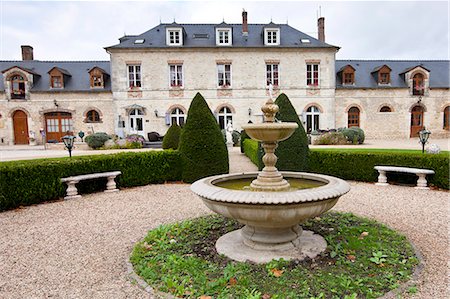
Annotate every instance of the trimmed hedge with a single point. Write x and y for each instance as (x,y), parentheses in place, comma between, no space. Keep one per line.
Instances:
(172,138)
(33,181)
(202,147)
(253,151)
(360,166)
(293,152)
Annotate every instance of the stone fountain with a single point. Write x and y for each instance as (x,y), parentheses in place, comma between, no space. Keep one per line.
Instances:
(270,208)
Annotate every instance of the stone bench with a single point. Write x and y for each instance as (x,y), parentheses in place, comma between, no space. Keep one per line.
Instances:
(421,174)
(72,191)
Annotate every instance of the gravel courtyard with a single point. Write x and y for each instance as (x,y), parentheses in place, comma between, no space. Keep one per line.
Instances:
(78,248)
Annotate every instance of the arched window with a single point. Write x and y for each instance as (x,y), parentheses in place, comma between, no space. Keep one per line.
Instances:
(312,119)
(447,118)
(418,85)
(17,87)
(385,109)
(177,116)
(353,117)
(224,117)
(92,116)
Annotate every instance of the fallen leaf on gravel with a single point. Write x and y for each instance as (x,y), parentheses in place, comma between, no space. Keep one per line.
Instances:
(276,272)
(266,296)
(363,234)
(351,257)
(204,297)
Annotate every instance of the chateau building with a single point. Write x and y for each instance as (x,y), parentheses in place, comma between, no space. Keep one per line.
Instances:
(151,78)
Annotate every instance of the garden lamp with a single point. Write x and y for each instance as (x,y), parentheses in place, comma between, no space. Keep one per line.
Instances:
(68,142)
(81,135)
(424,134)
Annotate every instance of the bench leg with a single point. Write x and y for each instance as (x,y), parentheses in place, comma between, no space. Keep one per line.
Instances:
(382,178)
(72,191)
(111,185)
(422,181)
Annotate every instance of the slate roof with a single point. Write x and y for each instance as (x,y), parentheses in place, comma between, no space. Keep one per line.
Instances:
(439,72)
(78,70)
(156,37)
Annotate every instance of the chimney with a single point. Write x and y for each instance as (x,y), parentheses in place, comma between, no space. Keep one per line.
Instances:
(244,23)
(27,53)
(321,27)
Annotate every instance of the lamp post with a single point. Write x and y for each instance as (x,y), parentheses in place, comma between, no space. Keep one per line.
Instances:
(81,135)
(424,134)
(68,142)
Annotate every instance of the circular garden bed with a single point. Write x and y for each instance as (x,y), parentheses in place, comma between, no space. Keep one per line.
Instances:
(364,259)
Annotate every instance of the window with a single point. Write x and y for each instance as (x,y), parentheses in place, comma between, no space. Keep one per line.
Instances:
(224,75)
(176,75)
(353,117)
(134,75)
(17,87)
(385,109)
(92,116)
(418,85)
(272,37)
(223,37)
(136,121)
(57,81)
(224,117)
(312,119)
(312,74)
(348,78)
(384,78)
(177,116)
(272,74)
(174,37)
(447,118)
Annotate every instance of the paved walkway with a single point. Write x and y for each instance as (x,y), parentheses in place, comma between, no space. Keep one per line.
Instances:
(78,248)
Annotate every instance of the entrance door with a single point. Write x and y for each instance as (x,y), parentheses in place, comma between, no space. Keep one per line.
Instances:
(416,121)
(20,123)
(136,122)
(58,124)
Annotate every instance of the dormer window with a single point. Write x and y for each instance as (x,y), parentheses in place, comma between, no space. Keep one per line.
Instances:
(382,75)
(174,37)
(57,81)
(17,87)
(347,74)
(223,37)
(97,77)
(418,84)
(57,77)
(272,37)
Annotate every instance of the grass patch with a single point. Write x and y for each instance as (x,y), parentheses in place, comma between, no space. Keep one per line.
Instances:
(376,150)
(364,259)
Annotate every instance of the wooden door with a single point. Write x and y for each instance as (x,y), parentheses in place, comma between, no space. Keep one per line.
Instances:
(57,125)
(20,123)
(416,121)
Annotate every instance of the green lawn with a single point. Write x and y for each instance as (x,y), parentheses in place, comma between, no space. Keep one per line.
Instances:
(376,150)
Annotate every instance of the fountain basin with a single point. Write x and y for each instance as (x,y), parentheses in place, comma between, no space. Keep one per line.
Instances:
(271,219)
(270,132)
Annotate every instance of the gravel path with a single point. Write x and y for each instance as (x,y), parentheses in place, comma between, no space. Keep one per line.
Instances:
(78,248)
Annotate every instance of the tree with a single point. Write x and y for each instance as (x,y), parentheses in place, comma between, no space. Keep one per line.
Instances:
(172,138)
(203,150)
(293,152)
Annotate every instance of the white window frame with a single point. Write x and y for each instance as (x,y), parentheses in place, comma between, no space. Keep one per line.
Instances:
(268,38)
(315,111)
(134,73)
(224,71)
(272,74)
(178,31)
(176,74)
(226,31)
(227,115)
(312,74)
(179,113)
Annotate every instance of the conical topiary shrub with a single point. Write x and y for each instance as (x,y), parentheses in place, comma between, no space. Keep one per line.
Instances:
(292,153)
(202,147)
(172,138)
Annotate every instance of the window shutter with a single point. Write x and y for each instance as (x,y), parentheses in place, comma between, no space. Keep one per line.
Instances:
(167,119)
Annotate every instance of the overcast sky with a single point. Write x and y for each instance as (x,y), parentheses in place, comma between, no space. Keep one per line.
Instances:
(63,30)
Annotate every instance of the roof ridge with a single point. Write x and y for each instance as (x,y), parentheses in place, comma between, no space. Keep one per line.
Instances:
(396,60)
(208,24)
(56,61)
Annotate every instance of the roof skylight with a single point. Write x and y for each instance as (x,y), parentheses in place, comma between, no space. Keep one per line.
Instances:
(305,41)
(139,41)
